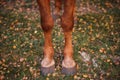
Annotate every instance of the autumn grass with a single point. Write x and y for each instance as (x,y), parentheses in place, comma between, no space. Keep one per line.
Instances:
(21,44)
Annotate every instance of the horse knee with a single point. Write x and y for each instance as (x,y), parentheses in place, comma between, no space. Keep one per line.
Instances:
(67,23)
(47,24)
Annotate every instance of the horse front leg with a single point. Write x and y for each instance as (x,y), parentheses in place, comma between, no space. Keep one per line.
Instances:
(47,64)
(68,64)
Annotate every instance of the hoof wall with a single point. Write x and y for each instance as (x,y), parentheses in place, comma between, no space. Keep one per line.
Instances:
(69,71)
(47,70)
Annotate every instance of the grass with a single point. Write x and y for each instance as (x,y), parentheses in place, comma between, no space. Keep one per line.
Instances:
(21,42)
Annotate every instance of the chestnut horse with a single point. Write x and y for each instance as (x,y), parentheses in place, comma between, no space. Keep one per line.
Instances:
(67,22)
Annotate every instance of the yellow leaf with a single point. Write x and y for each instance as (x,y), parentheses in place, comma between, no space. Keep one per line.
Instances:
(22,59)
(108,74)
(102,50)
(0,21)
(14,47)
(85,75)
(89,27)
(47,78)
(35,32)
(75,76)
(14,40)
(108,60)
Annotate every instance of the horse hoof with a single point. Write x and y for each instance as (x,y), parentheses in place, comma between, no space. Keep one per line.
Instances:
(47,70)
(69,71)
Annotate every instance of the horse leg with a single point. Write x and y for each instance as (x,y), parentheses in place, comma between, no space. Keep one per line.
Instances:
(68,64)
(47,64)
(58,6)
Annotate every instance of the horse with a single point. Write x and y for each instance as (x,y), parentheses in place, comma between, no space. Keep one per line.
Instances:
(67,23)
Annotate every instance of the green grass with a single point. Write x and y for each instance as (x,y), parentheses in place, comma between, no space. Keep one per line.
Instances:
(22,40)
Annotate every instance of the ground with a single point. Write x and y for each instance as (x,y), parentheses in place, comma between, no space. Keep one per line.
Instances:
(96,41)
